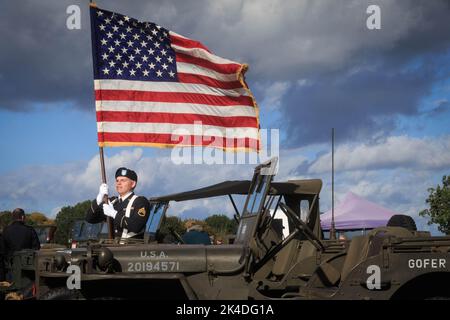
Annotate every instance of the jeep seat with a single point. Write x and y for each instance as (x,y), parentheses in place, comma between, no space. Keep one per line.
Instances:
(287,257)
(356,253)
(362,247)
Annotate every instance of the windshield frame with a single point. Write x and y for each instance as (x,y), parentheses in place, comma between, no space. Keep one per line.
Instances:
(154,208)
(80,227)
(249,221)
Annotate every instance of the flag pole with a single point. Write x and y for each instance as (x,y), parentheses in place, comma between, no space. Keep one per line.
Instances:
(102,167)
(105,197)
(333,228)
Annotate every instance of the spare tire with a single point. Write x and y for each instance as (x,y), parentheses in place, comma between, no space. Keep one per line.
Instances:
(402,220)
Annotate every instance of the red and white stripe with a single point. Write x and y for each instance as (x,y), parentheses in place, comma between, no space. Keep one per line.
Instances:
(210,94)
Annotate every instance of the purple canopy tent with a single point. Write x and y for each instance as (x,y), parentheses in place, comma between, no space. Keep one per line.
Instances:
(355,213)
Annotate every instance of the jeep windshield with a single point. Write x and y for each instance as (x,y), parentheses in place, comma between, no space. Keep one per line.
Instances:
(45,233)
(85,231)
(262,177)
(160,205)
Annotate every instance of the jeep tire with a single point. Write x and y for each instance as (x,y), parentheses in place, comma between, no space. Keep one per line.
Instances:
(404,221)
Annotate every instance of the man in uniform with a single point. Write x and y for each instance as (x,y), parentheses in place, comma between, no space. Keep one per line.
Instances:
(18,235)
(129,212)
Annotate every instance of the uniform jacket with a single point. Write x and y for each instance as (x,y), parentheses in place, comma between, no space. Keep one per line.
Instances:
(139,214)
(18,236)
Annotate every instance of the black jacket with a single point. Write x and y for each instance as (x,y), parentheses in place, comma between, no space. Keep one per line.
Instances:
(196,237)
(18,236)
(135,223)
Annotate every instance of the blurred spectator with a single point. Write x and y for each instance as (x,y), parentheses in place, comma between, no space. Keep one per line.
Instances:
(18,236)
(195,234)
(342,237)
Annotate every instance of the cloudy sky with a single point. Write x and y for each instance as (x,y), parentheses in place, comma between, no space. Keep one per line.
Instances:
(314,65)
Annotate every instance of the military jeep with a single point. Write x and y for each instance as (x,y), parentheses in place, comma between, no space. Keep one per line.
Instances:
(389,263)
(83,233)
(20,268)
(132,268)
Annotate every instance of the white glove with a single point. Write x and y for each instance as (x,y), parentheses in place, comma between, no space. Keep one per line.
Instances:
(103,190)
(108,210)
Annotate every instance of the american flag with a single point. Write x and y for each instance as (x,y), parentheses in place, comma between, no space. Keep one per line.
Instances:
(154,87)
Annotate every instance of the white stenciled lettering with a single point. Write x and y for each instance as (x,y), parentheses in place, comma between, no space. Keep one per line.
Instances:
(427,263)
(138,267)
(155,266)
(153,254)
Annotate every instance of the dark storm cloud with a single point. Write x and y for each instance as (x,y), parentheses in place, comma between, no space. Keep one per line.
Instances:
(357,106)
(373,77)
(41,61)
(339,73)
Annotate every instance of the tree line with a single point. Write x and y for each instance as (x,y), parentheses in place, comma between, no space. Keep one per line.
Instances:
(439,206)
(217,225)
(32,219)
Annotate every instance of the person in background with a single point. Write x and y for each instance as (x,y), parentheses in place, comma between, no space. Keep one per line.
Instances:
(342,237)
(195,234)
(18,236)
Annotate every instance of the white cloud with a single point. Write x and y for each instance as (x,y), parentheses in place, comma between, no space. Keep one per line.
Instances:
(47,189)
(395,173)
(397,151)
(304,82)
(274,93)
(401,190)
(54,212)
